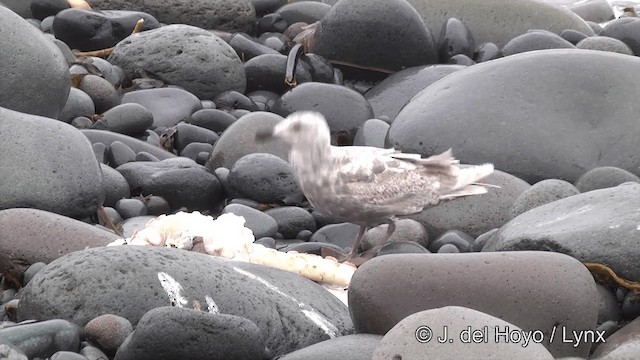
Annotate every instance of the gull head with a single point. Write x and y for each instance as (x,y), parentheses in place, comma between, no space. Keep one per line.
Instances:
(299,128)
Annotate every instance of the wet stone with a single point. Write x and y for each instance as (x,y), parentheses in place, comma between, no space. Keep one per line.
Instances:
(86,30)
(43,339)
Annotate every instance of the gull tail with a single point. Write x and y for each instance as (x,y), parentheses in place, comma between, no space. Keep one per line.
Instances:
(467,182)
(470,175)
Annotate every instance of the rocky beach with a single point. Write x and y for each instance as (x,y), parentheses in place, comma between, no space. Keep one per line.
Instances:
(140,218)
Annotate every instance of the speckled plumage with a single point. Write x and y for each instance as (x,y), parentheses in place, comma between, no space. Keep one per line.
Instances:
(366,185)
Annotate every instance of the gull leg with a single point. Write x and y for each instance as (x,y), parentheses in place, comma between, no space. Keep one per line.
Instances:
(390,230)
(356,244)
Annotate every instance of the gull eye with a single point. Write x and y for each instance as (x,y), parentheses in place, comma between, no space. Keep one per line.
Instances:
(296,127)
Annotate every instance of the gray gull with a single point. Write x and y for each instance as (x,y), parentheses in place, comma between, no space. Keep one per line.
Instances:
(365,185)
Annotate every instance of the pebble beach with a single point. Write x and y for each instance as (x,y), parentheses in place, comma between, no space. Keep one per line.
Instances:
(140,218)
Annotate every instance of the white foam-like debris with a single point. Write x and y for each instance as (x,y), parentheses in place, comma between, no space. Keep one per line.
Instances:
(227,237)
(308,311)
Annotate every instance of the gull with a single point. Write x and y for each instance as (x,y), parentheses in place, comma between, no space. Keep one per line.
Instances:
(369,186)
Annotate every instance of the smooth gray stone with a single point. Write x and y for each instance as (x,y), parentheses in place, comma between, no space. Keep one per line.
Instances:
(292,220)
(180,181)
(163,332)
(223,15)
(344,34)
(604,177)
(542,192)
(406,230)
(622,345)
(604,43)
(426,331)
(207,59)
(78,104)
(43,339)
(48,165)
(21,7)
(128,281)
(108,137)
(599,226)
(240,139)
(498,21)
(108,331)
(128,119)
(372,133)
(352,347)
(597,11)
(35,236)
(514,98)
(529,289)
(344,109)
(392,93)
(35,75)
(169,106)
(535,40)
(264,178)
(101,91)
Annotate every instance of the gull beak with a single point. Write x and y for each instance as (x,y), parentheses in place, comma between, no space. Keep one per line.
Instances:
(263,135)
